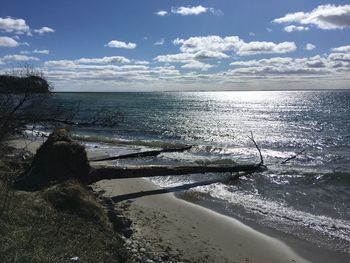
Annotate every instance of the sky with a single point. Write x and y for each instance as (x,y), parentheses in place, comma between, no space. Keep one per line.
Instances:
(173,45)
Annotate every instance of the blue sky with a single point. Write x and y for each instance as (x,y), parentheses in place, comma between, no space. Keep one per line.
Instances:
(179,45)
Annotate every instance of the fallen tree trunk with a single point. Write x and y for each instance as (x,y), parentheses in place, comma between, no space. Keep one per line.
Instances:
(108,173)
(142,154)
(59,159)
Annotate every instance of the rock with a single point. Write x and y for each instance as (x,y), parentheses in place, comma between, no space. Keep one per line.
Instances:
(127,232)
(120,223)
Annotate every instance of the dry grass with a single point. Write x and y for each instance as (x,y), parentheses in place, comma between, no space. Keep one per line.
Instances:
(74,198)
(54,225)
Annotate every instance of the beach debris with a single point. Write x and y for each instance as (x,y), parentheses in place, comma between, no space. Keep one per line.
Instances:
(251,137)
(110,172)
(293,157)
(143,154)
(60,158)
(99,173)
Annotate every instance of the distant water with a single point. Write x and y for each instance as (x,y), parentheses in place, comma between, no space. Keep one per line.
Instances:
(308,197)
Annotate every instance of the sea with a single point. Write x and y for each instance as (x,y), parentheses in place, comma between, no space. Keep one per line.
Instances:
(307,197)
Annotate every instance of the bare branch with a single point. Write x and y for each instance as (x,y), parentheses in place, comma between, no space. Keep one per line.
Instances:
(257,147)
(293,157)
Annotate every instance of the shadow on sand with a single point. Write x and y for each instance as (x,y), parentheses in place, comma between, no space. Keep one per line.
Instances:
(179,188)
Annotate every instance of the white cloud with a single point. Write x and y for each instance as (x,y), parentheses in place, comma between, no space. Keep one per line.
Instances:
(44,30)
(292,17)
(251,34)
(310,46)
(324,17)
(273,73)
(187,11)
(12,25)
(281,66)
(197,65)
(81,65)
(333,64)
(141,62)
(87,61)
(161,13)
(69,70)
(245,63)
(187,57)
(216,12)
(43,51)
(292,28)
(21,58)
(263,47)
(234,43)
(64,63)
(180,57)
(206,54)
(104,60)
(8,42)
(190,10)
(342,49)
(121,44)
(208,43)
(340,57)
(36,51)
(159,42)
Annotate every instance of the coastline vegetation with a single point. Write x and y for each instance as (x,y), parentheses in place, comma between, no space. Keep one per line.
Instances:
(64,222)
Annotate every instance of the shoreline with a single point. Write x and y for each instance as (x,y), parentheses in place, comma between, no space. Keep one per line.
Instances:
(191,231)
(200,226)
(304,248)
(170,91)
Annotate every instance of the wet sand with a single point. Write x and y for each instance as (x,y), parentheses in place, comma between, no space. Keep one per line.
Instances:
(194,233)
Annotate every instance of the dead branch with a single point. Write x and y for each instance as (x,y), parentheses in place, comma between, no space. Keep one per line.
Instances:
(257,147)
(142,154)
(293,157)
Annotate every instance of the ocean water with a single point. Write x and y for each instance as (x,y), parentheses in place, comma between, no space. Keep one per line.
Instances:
(308,197)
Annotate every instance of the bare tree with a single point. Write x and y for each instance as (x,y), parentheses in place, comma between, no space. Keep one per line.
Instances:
(26,101)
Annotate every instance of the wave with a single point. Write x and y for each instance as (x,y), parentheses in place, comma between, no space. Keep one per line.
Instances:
(310,174)
(120,141)
(277,215)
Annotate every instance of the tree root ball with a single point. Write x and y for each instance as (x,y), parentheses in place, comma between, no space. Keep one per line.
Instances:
(58,159)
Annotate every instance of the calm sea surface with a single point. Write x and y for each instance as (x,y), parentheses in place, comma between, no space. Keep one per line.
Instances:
(308,197)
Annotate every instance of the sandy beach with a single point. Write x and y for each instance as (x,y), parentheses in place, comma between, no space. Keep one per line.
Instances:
(179,229)
(194,233)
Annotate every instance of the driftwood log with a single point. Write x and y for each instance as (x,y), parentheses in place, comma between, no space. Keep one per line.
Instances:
(108,173)
(60,158)
(142,154)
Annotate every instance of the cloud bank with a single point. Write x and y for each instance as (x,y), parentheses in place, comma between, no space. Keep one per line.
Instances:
(325,17)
